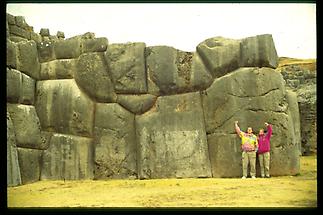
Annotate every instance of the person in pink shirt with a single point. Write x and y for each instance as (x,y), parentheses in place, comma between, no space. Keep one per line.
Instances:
(264,150)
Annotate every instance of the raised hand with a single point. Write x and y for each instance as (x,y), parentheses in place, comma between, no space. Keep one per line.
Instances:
(266,124)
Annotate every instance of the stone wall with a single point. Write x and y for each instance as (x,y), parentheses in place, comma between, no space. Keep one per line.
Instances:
(301,78)
(80,108)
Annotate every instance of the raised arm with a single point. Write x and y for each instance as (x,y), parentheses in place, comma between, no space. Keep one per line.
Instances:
(269,130)
(237,128)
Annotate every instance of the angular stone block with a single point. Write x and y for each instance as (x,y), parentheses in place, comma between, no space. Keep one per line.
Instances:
(35,37)
(115,148)
(58,69)
(18,31)
(230,98)
(29,163)
(68,157)
(220,55)
(13,170)
(63,108)
(66,49)
(171,139)
(259,51)
(46,51)
(17,39)
(11,19)
(28,59)
(60,35)
(137,104)
(225,155)
(126,64)
(20,87)
(12,50)
(27,126)
(94,45)
(20,21)
(93,76)
(171,71)
(227,95)
(44,32)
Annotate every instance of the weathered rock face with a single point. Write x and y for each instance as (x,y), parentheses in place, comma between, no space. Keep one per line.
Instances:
(225,51)
(94,45)
(171,139)
(66,49)
(27,127)
(12,54)
(231,98)
(13,170)
(46,51)
(137,104)
(171,71)
(93,77)
(29,163)
(63,108)
(127,66)
(68,157)
(258,51)
(115,142)
(301,78)
(28,59)
(58,69)
(20,87)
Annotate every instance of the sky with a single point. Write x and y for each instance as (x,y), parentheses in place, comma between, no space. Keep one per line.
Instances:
(183,26)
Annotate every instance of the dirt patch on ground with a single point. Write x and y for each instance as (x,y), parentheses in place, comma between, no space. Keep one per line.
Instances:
(287,191)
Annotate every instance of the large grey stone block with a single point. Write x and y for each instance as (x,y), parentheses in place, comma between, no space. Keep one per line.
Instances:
(115,148)
(171,71)
(68,157)
(66,49)
(171,139)
(12,54)
(63,108)
(220,55)
(259,51)
(28,59)
(93,76)
(58,69)
(230,98)
(29,163)
(20,87)
(27,127)
(94,45)
(13,170)
(126,64)
(137,104)
(46,51)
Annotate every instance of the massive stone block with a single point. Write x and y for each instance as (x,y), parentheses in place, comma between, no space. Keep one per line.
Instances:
(93,76)
(68,157)
(13,170)
(127,67)
(115,149)
(58,69)
(171,71)
(11,19)
(46,51)
(171,139)
(28,59)
(232,98)
(27,127)
(66,49)
(137,104)
(20,87)
(220,55)
(29,163)
(63,108)
(259,51)
(11,54)
(18,31)
(94,45)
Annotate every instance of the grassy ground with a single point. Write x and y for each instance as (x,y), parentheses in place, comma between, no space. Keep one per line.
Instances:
(306,64)
(287,191)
